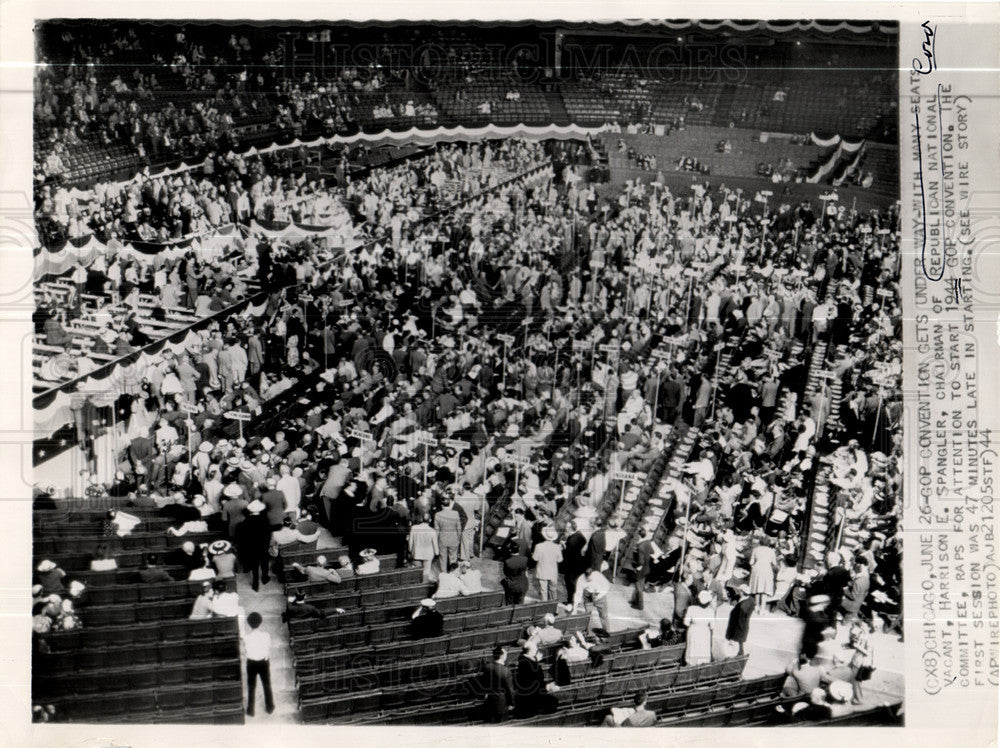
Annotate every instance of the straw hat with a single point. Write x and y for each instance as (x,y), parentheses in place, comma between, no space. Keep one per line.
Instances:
(220,547)
(550,533)
(704,597)
(256,506)
(428,602)
(232,491)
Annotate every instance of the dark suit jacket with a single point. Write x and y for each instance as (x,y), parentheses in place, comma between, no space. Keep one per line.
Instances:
(496,679)
(596,548)
(573,562)
(427,625)
(275,502)
(529,683)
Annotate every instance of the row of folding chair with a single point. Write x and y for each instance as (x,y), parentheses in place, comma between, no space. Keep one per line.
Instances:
(153,702)
(126,557)
(677,679)
(227,714)
(763,710)
(401,609)
(391,675)
(86,526)
(141,634)
(94,616)
(390,632)
(122,577)
(384,577)
(387,672)
(134,677)
(348,599)
(222,647)
(130,594)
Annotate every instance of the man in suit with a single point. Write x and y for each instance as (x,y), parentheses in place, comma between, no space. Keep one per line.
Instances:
(448,524)
(497,686)
(641,717)
(532,695)
(298,609)
(426,622)
(642,562)
(573,560)
(275,502)
(253,539)
(596,549)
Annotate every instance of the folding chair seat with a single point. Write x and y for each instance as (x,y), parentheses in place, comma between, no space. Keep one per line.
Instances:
(435,647)
(102,596)
(732,668)
(382,634)
(449,605)
(500,617)
(392,700)
(483,639)
(351,619)
(313,711)
(375,616)
(301,627)
(224,648)
(319,626)
(623,662)
(147,613)
(613,689)
(144,678)
(394,594)
(700,700)
(724,695)
(685,677)
(566,697)
(171,652)
(355,637)
(341,706)
(198,672)
(647,658)
(172,631)
(140,702)
(371,598)
(226,694)
(98,616)
(197,698)
(152,593)
(111,637)
(170,699)
(366,583)
(145,634)
(461,643)
(90,659)
(91,683)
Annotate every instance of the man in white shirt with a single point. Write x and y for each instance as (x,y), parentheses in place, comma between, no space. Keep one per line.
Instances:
(593,588)
(257,645)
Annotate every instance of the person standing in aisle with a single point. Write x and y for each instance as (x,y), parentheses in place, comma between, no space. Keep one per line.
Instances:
(257,645)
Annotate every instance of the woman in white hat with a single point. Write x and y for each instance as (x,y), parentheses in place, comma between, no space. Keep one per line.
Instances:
(50,577)
(700,622)
(369,562)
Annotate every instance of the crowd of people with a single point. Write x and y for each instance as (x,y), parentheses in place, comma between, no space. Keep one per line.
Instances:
(453,373)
